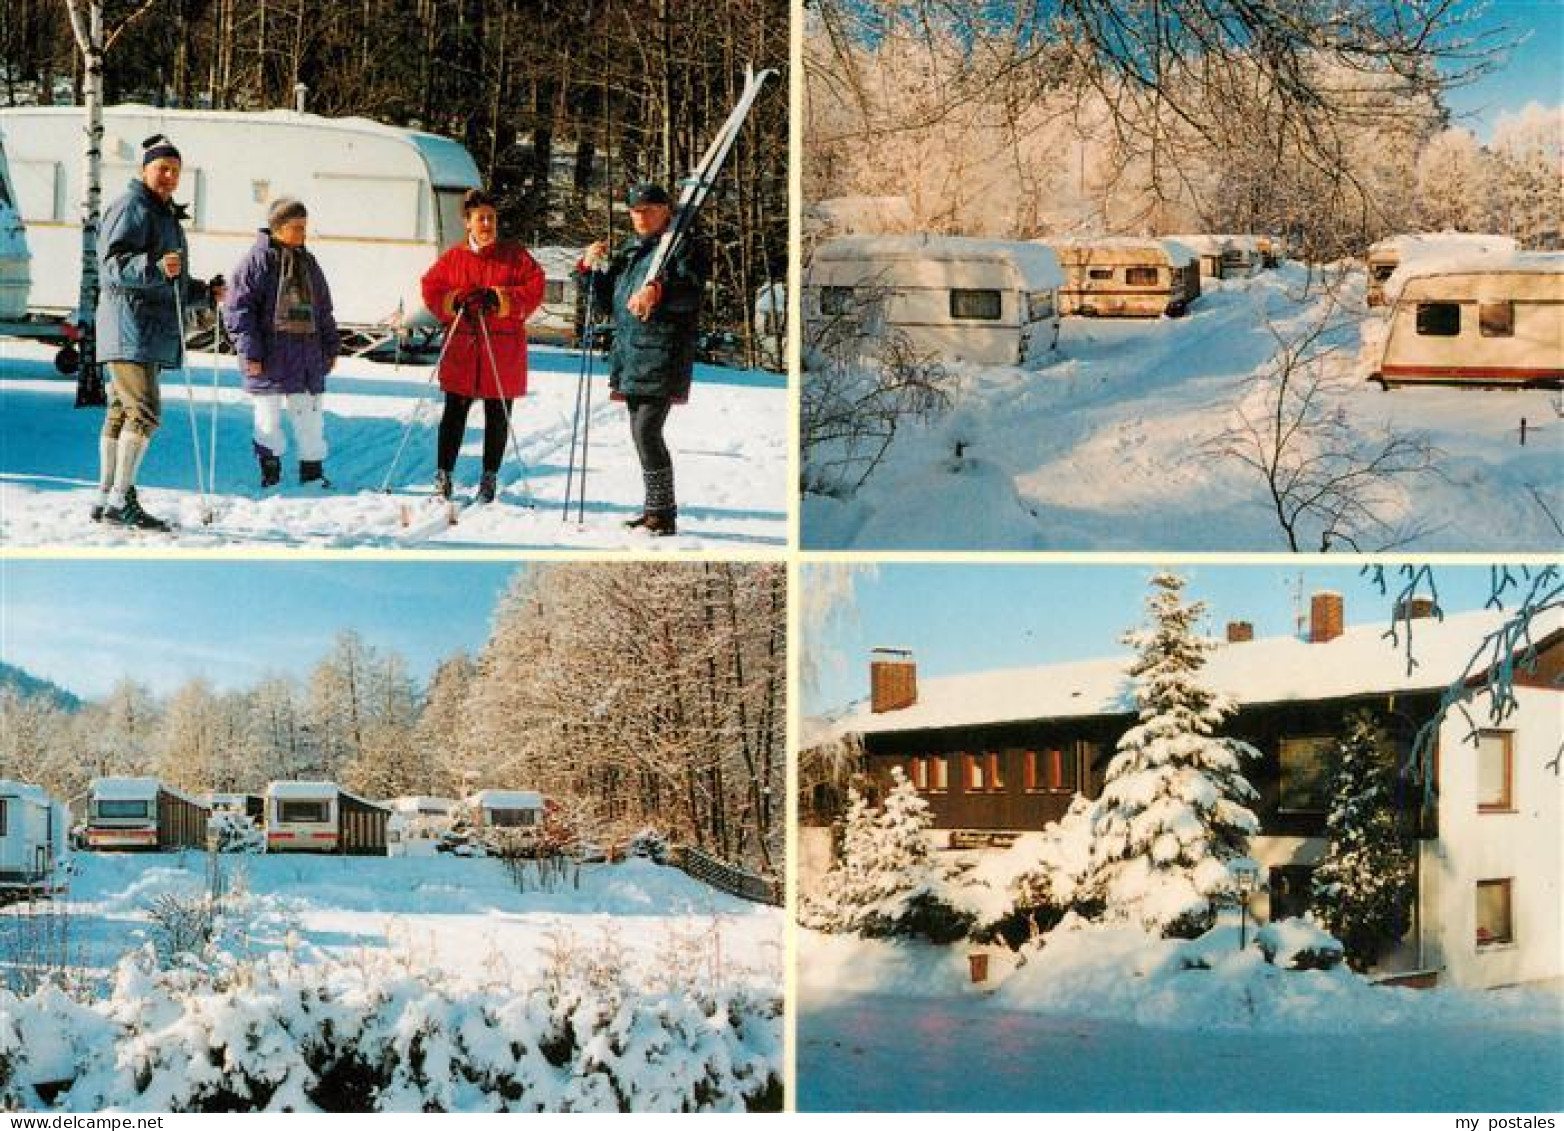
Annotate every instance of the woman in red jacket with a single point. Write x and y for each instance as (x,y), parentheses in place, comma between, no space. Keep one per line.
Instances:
(483,289)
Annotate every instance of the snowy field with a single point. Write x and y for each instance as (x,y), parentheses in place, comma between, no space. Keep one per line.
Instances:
(1109,1024)
(729,444)
(1103,447)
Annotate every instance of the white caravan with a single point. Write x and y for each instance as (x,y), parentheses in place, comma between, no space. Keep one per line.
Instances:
(1123,276)
(15,260)
(33,851)
(1389,253)
(383,201)
(957,299)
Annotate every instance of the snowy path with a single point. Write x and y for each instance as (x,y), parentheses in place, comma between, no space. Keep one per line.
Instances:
(729,443)
(1100,448)
(899,1054)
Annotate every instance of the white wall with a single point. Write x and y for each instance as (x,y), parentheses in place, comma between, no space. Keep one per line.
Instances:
(1526,845)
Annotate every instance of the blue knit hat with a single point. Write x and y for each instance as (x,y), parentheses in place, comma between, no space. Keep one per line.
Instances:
(158,146)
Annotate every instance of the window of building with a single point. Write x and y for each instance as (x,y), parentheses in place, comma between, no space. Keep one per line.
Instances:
(836,300)
(978,305)
(1100,273)
(1291,888)
(121,810)
(1439,319)
(996,780)
(1140,276)
(1494,922)
(1495,772)
(918,773)
(1307,766)
(1496,319)
(973,778)
(513,818)
(1054,770)
(939,773)
(303,812)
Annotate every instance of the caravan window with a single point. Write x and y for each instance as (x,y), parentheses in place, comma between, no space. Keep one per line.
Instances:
(302,812)
(1100,273)
(512,818)
(1438,319)
(1140,276)
(3,804)
(836,300)
(982,305)
(448,213)
(1496,319)
(123,810)
(553,291)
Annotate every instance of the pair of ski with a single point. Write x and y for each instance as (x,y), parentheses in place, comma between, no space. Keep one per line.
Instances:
(693,192)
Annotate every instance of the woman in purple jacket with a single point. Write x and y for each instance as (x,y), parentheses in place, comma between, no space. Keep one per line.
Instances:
(279,313)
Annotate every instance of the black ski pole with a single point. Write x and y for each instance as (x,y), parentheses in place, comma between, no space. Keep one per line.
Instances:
(423,398)
(583,376)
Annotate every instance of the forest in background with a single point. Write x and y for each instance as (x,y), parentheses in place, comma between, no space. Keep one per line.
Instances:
(638,695)
(561,105)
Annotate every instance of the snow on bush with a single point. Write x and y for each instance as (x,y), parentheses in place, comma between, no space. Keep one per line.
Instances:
(1298,944)
(377,1034)
(1173,807)
(235,833)
(1035,882)
(888,880)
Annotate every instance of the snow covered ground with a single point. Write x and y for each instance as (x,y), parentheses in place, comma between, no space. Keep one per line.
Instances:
(1104,1022)
(460,916)
(729,444)
(1102,447)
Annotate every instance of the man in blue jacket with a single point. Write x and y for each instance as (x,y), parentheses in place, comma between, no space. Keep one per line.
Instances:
(141,259)
(653,355)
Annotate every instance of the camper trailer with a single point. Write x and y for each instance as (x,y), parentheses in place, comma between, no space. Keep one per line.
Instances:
(1115,276)
(316,816)
(506,809)
(419,826)
(1388,254)
(1476,320)
(383,201)
(143,813)
(1214,252)
(958,299)
(34,856)
(558,320)
(15,260)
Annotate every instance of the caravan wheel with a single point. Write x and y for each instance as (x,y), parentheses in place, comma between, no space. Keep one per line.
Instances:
(67,361)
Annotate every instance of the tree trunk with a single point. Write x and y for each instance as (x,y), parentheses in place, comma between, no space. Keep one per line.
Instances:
(89,39)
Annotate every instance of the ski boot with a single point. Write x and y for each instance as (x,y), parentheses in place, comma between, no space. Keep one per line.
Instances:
(314,471)
(131,515)
(658,525)
(101,509)
(442,484)
(488,487)
(271,471)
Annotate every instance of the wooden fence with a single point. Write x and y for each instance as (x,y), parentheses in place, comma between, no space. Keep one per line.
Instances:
(726,877)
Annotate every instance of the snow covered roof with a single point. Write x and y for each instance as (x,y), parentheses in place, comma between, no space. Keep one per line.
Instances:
(422,804)
(1133,249)
(1203,243)
(24,791)
(126,789)
(506,799)
(1362,661)
(305,790)
(1036,265)
(1460,273)
(1404,247)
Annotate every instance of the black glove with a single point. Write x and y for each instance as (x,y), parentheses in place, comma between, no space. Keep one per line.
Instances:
(481,300)
(215,283)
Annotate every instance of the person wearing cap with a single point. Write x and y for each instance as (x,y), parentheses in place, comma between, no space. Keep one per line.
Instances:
(141,259)
(652,359)
(280,315)
(483,290)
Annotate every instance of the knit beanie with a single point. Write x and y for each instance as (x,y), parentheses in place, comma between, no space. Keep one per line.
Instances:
(158,146)
(283,209)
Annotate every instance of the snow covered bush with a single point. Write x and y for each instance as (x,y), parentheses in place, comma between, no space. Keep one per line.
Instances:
(1173,810)
(1362,889)
(235,833)
(1050,883)
(1298,944)
(888,881)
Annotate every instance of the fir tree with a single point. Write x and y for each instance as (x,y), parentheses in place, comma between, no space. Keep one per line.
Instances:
(1362,890)
(1173,809)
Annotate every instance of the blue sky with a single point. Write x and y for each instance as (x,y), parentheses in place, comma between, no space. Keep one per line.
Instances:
(960,618)
(85,624)
(1531,73)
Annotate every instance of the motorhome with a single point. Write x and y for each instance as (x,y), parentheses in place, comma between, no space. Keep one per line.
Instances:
(1388,254)
(321,816)
(1476,320)
(34,856)
(124,812)
(383,201)
(956,299)
(1118,276)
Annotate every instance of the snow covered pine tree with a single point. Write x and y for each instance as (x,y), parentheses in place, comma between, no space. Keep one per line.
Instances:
(1362,889)
(1173,808)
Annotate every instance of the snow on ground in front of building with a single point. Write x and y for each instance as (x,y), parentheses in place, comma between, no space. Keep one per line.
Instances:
(1101,448)
(461,916)
(729,445)
(1111,1020)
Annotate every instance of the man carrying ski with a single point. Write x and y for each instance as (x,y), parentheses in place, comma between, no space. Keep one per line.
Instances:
(141,259)
(652,358)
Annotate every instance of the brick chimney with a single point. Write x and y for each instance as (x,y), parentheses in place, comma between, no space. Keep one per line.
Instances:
(1239,631)
(1325,617)
(893,679)
(1416,608)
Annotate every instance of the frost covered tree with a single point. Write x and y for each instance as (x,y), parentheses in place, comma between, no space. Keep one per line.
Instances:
(888,881)
(1173,809)
(1362,890)
(1454,192)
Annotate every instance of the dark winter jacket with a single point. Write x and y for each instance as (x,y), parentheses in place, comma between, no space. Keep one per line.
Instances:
(290,363)
(655,358)
(517,281)
(136,316)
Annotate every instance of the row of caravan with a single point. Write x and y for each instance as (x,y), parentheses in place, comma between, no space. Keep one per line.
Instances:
(34,849)
(999,302)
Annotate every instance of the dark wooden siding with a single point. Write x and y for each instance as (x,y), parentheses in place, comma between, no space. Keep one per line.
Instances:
(361,827)
(180,823)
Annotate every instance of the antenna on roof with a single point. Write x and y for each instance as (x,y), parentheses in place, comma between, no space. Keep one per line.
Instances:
(1299,620)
